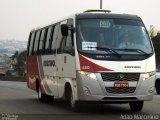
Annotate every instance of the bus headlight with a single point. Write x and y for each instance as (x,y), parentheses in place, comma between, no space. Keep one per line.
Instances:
(148,75)
(92,76)
(89,75)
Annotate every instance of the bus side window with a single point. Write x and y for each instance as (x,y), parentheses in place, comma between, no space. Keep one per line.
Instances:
(59,41)
(69,46)
(31,43)
(41,42)
(69,40)
(36,42)
(47,44)
(44,40)
(51,39)
(54,39)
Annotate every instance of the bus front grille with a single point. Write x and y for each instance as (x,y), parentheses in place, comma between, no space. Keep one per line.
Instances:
(120,90)
(120,76)
(117,77)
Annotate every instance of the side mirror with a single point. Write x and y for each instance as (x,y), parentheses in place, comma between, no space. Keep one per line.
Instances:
(64,30)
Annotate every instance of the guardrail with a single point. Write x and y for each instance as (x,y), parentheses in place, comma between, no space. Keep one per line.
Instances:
(8,78)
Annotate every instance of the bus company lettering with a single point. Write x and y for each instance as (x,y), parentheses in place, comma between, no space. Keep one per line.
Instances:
(132,66)
(49,63)
(85,67)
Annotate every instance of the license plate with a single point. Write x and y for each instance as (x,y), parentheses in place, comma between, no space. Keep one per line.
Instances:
(121,84)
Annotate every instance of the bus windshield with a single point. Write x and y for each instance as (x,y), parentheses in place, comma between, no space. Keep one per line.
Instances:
(110,36)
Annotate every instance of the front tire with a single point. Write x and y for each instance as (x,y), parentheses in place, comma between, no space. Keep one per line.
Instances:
(136,105)
(157,85)
(70,99)
(73,104)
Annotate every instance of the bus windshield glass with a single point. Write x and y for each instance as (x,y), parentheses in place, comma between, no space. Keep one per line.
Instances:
(110,36)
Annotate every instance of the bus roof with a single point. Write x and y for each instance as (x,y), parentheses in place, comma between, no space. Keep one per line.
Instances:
(92,14)
(54,22)
(107,15)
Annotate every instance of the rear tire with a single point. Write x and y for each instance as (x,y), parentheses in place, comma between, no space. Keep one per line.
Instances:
(157,85)
(44,97)
(136,105)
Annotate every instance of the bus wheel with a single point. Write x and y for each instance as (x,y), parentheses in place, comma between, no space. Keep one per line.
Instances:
(74,104)
(41,96)
(136,105)
(70,98)
(44,97)
(157,85)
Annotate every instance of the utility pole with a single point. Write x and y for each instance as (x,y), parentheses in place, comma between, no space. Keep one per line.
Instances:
(100,4)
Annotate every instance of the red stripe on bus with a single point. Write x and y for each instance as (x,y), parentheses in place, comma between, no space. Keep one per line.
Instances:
(89,66)
(33,73)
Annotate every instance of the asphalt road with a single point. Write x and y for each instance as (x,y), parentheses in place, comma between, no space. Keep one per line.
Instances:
(17,102)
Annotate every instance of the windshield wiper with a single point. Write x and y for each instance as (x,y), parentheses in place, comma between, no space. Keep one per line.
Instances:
(110,50)
(137,50)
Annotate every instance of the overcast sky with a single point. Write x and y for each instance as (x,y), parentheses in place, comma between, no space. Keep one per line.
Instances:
(18,17)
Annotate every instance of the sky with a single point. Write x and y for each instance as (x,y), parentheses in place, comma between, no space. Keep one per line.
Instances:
(18,17)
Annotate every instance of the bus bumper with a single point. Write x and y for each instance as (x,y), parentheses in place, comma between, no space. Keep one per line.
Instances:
(95,90)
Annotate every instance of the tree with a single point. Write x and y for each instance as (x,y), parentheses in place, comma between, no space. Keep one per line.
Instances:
(153,31)
(20,59)
(156,44)
(15,55)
